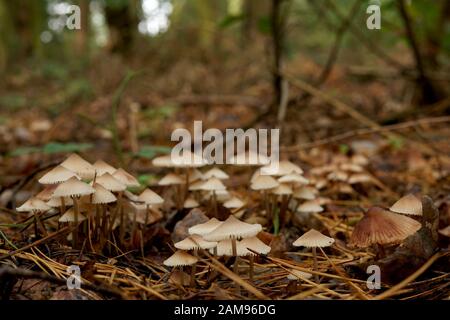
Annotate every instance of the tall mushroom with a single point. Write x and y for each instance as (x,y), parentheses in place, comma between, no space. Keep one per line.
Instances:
(213,185)
(314,239)
(74,188)
(35,206)
(255,245)
(148,198)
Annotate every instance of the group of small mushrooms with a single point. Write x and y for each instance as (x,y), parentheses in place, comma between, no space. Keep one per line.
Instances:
(96,202)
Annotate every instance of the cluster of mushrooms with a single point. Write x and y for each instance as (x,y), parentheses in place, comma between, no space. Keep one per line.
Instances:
(96,203)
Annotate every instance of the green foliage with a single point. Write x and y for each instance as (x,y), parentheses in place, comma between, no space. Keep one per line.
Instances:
(264,25)
(396,143)
(52,148)
(231,20)
(12,101)
(149,152)
(276,221)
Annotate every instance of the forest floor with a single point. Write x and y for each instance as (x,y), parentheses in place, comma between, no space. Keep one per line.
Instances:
(45,106)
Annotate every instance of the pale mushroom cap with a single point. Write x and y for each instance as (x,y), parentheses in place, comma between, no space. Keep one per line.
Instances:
(298,275)
(321,183)
(190,203)
(170,179)
(195,242)
(408,204)
(313,239)
(360,160)
(382,227)
(195,175)
(80,166)
(233,203)
(225,248)
(446,231)
(101,167)
(110,183)
(293,178)
(249,158)
(233,228)
(150,197)
(215,173)
(69,216)
(264,182)
(255,175)
(307,193)
(282,190)
(351,167)
(180,258)
(33,205)
(57,175)
(256,245)
(130,195)
(338,175)
(359,178)
(102,195)
(163,161)
(73,187)
(318,171)
(196,186)
(189,160)
(125,178)
(47,193)
(310,206)
(213,184)
(56,202)
(205,228)
(284,168)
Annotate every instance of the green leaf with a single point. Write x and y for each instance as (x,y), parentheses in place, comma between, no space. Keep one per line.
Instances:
(344,148)
(276,222)
(149,152)
(264,25)
(51,148)
(230,20)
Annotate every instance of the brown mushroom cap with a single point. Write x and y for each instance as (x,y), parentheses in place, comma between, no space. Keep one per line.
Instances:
(73,187)
(408,204)
(313,238)
(379,226)
(180,258)
(57,175)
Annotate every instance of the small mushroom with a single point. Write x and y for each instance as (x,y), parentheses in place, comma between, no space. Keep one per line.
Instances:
(80,166)
(409,205)
(314,239)
(255,245)
(180,259)
(213,185)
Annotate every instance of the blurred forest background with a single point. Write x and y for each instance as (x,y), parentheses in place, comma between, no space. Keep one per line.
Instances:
(138,69)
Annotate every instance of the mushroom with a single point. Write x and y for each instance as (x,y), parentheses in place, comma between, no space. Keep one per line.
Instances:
(257,246)
(70,217)
(305,193)
(284,168)
(233,229)
(190,203)
(215,173)
(264,183)
(100,197)
(180,259)
(285,192)
(381,227)
(213,185)
(172,179)
(149,198)
(234,203)
(80,166)
(314,239)
(35,206)
(310,206)
(409,205)
(205,228)
(101,167)
(74,188)
(194,243)
(296,275)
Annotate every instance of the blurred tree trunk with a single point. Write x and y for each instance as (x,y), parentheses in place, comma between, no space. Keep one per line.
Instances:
(6,35)
(277,48)
(122,23)
(82,36)
(435,37)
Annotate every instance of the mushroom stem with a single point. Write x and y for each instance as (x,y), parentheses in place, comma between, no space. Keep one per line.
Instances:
(75,230)
(122,224)
(314,252)
(214,198)
(63,205)
(147,212)
(250,270)
(193,271)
